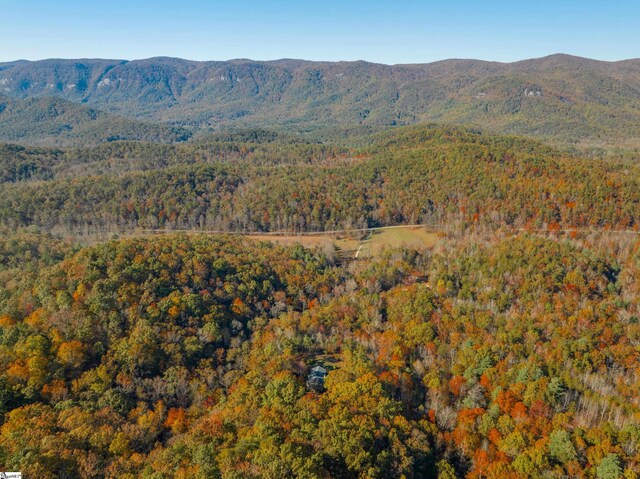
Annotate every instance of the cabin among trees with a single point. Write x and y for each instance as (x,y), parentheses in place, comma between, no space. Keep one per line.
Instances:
(315,381)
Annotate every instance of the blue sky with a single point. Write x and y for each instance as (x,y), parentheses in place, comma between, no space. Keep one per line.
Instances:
(401,31)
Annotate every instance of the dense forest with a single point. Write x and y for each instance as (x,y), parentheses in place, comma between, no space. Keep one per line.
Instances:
(186,356)
(508,348)
(53,121)
(424,174)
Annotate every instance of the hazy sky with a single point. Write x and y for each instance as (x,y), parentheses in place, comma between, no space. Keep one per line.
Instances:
(400,31)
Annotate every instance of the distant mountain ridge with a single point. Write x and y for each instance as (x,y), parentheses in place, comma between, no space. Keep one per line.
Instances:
(559,97)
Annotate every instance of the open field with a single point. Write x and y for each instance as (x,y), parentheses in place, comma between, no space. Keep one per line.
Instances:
(411,236)
(346,245)
(327,242)
(307,241)
(372,245)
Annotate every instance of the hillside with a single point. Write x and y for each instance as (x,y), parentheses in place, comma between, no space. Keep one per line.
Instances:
(186,357)
(54,121)
(418,174)
(561,98)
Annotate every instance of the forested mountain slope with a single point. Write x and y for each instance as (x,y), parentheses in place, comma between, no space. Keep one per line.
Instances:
(54,121)
(560,97)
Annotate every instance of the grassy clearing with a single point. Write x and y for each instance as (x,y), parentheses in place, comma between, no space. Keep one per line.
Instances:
(412,237)
(371,246)
(308,241)
(342,245)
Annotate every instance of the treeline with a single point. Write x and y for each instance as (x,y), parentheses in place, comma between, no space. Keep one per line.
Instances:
(427,174)
(186,357)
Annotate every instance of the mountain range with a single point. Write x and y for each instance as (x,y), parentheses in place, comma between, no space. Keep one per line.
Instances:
(560,98)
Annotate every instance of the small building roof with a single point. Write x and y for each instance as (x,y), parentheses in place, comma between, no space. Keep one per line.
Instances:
(319,369)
